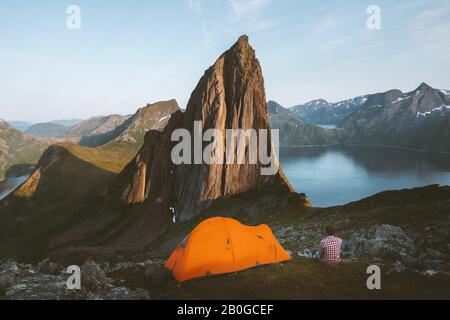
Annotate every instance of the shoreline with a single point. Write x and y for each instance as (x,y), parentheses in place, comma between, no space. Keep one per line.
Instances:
(365,146)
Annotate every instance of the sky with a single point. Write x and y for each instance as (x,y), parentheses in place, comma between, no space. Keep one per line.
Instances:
(129,53)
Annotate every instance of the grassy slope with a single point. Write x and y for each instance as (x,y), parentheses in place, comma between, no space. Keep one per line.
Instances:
(48,130)
(72,183)
(112,157)
(17,148)
(423,211)
(306,279)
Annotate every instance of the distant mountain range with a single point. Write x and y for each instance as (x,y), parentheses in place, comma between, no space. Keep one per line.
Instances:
(19,151)
(132,129)
(418,119)
(294,131)
(100,130)
(325,113)
(20,125)
(94,126)
(24,126)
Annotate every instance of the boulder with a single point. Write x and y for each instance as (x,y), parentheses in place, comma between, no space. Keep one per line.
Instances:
(157,274)
(7,279)
(382,241)
(397,266)
(92,275)
(48,267)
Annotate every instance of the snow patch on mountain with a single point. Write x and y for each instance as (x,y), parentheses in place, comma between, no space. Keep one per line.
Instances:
(401,99)
(439,109)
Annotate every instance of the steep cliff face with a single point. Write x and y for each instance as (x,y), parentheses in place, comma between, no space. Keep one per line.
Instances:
(230,95)
(150,174)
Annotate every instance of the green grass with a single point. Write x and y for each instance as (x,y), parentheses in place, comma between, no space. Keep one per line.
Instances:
(296,280)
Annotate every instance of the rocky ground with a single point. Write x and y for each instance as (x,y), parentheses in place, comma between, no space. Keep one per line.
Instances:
(404,232)
(48,281)
(411,274)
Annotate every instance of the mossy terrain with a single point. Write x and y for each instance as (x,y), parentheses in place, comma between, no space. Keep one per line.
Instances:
(298,279)
(306,279)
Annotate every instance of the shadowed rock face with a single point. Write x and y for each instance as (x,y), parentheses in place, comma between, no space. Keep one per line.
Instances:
(230,95)
(150,174)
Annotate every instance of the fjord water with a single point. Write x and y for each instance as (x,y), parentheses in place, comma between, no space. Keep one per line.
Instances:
(9,185)
(338,175)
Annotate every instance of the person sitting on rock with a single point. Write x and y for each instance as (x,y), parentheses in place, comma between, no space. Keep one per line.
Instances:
(329,250)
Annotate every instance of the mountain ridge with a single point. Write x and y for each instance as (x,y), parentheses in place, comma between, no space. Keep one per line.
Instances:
(296,132)
(18,149)
(418,119)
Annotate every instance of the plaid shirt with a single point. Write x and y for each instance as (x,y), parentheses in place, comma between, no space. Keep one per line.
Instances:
(330,249)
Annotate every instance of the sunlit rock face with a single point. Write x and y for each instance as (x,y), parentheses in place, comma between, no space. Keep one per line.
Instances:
(230,95)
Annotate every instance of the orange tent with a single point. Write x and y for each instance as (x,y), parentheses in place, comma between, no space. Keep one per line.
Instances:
(223,245)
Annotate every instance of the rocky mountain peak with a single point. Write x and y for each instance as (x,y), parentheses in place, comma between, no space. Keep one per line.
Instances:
(317,102)
(230,95)
(424,86)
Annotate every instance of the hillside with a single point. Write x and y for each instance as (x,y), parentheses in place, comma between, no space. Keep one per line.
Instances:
(132,130)
(67,122)
(46,130)
(20,125)
(94,126)
(419,119)
(18,151)
(46,201)
(295,132)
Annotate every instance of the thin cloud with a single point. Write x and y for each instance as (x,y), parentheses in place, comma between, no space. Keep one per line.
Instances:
(431,29)
(195,5)
(245,8)
(37,60)
(330,31)
(243,14)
